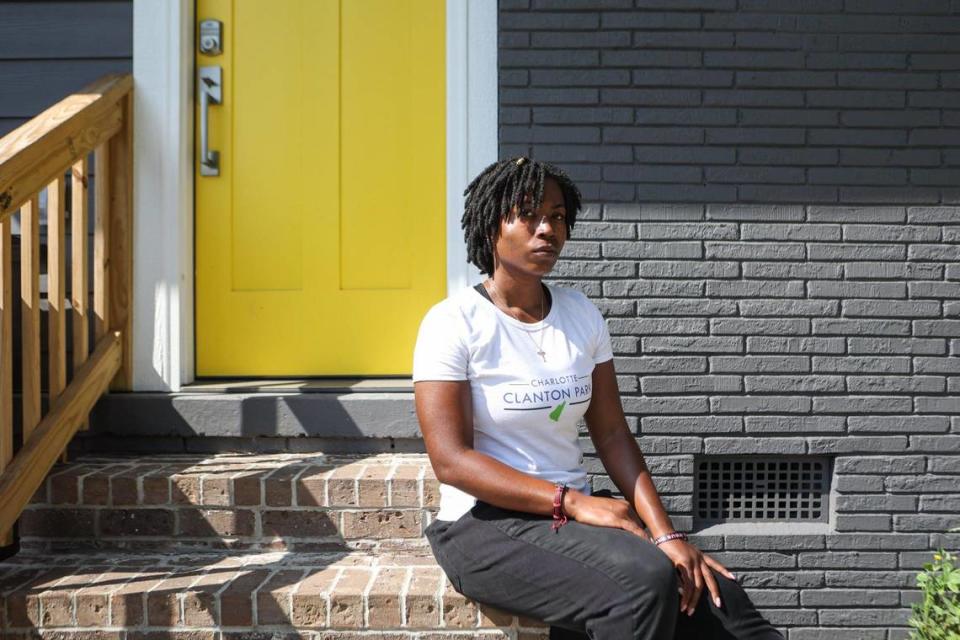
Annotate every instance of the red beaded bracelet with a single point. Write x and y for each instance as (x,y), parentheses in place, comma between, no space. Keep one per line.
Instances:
(559,517)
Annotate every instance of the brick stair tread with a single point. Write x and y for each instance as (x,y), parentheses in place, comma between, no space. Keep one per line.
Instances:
(205,594)
(235,501)
(218,480)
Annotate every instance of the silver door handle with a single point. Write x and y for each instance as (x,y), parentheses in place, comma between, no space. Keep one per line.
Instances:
(210,86)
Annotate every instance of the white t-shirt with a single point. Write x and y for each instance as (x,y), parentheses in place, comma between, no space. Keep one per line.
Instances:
(525,409)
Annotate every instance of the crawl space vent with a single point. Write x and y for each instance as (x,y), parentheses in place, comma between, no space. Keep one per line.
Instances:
(761,489)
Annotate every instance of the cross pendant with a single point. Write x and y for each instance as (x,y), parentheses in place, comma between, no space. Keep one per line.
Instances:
(543,355)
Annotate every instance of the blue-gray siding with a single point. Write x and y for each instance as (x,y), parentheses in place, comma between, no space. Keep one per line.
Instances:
(50,49)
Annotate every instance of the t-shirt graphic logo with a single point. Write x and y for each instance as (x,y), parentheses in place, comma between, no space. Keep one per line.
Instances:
(540,394)
(555,414)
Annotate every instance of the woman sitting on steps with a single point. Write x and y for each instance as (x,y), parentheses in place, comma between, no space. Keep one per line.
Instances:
(503,372)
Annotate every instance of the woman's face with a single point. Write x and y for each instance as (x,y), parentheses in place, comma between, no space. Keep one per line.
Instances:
(530,241)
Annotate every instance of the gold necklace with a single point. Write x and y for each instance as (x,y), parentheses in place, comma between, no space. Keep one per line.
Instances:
(540,351)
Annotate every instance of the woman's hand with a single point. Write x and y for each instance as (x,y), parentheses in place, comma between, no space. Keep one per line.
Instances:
(603,512)
(694,569)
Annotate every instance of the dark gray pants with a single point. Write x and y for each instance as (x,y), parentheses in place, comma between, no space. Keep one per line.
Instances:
(605,582)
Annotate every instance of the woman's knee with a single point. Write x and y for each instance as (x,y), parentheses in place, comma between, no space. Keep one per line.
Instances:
(651,574)
(647,603)
(664,574)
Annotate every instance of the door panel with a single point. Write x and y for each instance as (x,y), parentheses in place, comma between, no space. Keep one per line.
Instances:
(321,243)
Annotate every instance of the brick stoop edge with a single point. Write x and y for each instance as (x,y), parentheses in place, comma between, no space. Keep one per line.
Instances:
(232,546)
(238,546)
(216,596)
(278,501)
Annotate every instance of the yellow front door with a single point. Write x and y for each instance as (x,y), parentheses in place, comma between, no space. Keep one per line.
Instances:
(321,243)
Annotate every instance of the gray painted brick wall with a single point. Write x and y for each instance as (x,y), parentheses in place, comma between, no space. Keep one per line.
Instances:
(773,232)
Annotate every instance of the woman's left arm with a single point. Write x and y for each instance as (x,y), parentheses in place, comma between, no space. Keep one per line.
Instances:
(619,452)
(623,460)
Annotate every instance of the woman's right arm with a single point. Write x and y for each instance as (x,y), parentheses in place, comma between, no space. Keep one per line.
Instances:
(446,421)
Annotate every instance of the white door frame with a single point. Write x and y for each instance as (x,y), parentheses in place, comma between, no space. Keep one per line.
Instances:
(163,63)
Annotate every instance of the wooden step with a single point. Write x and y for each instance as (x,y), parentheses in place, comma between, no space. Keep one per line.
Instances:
(245,501)
(234,595)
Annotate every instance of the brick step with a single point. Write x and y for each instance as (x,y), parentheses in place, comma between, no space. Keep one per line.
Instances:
(244,501)
(234,595)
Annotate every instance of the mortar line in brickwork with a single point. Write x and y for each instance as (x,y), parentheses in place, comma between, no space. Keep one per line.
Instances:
(168,473)
(161,588)
(255,595)
(218,594)
(326,485)
(182,595)
(144,577)
(176,513)
(294,484)
(404,590)
(68,472)
(328,595)
(443,583)
(82,592)
(352,481)
(217,604)
(263,485)
(356,484)
(296,587)
(201,476)
(134,574)
(74,595)
(333,589)
(421,499)
(88,470)
(263,475)
(145,594)
(365,594)
(388,480)
(478,616)
(138,477)
(297,486)
(41,604)
(123,469)
(232,488)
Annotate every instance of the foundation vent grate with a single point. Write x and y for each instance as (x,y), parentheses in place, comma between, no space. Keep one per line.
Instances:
(751,489)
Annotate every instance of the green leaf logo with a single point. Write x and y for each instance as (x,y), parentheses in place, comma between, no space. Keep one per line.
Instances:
(555,414)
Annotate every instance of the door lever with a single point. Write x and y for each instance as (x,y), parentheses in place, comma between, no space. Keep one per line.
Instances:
(209,86)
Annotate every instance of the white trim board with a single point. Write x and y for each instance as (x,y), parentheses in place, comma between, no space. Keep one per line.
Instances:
(472,102)
(163,68)
(163,194)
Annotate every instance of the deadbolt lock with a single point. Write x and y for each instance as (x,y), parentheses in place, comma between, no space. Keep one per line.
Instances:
(211,41)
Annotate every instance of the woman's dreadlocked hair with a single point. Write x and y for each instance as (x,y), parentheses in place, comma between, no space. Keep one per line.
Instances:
(499,188)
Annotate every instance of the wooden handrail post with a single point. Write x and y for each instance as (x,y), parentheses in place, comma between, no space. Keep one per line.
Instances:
(120,249)
(78,268)
(101,239)
(6,355)
(56,289)
(56,285)
(30,313)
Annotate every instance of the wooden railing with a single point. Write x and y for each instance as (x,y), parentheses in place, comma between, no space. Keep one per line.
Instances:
(35,157)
